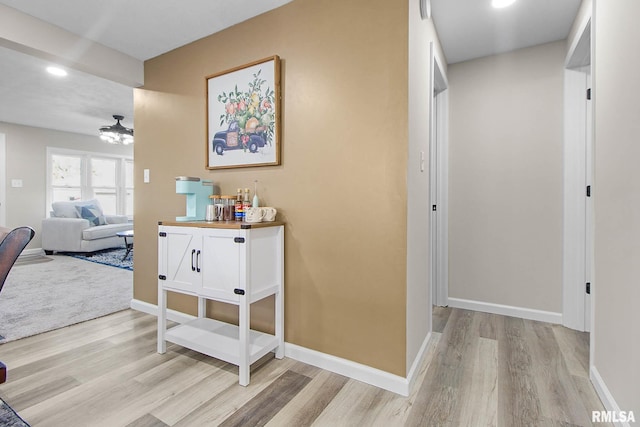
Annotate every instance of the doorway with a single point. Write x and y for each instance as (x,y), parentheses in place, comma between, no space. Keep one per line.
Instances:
(578,193)
(438,183)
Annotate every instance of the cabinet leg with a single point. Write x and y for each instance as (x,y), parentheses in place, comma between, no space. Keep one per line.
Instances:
(244,375)
(279,325)
(202,307)
(243,325)
(162,320)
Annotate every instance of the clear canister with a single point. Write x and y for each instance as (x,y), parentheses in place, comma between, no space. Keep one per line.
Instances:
(218,207)
(229,208)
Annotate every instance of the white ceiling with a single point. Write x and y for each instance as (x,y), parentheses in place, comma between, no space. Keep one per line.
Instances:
(142,29)
(471,29)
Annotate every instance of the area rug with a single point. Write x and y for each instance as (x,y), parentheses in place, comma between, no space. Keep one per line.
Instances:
(41,297)
(113,257)
(9,417)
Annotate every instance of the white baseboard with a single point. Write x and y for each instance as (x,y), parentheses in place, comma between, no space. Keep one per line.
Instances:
(348,368)
(356,371)
(605,395)
(506,310)
(173,315)
(417,363)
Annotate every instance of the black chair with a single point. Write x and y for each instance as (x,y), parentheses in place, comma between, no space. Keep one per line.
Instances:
(12,244)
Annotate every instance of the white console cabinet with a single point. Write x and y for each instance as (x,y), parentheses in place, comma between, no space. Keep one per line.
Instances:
(232,262)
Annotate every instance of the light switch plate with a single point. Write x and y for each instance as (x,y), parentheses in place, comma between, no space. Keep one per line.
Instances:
(16,183)
(146,176)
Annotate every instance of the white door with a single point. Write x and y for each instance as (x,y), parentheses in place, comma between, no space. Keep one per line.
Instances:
(433,203)
(222,251)
(588,254)
(3,182)
(180,258)
(438,187)
(578,194)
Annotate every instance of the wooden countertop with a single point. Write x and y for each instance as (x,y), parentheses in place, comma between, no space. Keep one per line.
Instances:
(237,225)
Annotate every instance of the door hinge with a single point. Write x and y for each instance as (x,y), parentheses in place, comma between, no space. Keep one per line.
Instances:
(238,291)
(588,191)
(589,94)
(434,208)
(162,234)
(238,239)
(588,288)
(162,277)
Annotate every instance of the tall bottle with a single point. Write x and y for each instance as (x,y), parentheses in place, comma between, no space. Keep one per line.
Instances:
(256,201)
(246,204)
(239,214)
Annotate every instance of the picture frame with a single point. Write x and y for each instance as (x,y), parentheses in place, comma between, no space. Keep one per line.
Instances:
(243,116)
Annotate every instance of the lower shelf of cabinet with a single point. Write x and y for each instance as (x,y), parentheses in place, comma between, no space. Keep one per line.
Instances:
(220,340)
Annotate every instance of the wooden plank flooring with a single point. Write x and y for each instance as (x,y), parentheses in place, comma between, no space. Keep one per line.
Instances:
(480,370)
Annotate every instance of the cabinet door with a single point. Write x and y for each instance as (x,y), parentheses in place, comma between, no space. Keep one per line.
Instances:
(221,273)
(180,251)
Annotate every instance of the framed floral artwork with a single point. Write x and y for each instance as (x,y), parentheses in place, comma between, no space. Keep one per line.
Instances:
(243,116)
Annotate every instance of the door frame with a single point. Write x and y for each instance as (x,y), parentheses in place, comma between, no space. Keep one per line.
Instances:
(439,181)
(577,212)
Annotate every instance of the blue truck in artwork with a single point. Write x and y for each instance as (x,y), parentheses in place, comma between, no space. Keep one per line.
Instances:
(232,139)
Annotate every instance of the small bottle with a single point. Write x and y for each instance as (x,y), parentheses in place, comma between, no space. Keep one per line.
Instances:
(238,210)
(246,204)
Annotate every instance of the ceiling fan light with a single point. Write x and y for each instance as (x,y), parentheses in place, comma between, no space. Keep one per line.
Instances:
(116,134)
(499,4)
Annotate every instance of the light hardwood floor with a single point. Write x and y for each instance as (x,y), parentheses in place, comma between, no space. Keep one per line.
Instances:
(480,369)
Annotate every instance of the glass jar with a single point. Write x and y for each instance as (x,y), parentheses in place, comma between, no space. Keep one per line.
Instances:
(229,208)
(216,200)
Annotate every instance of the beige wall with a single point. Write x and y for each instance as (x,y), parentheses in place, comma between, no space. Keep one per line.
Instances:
(341,187)
(617,200)
(505,188)
(26,159)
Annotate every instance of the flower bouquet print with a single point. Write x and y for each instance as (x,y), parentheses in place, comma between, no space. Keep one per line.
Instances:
(243,116)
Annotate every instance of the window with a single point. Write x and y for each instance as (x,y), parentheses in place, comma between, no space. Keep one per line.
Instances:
(103,182)
(77,175)
(66,173)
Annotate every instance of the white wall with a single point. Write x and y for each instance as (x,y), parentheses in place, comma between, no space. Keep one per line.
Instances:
(26,160)
(583,15)
(617,200)
(421,34)
(505,178)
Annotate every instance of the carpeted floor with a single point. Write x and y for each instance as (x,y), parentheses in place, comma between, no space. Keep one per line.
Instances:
(9,417)
(44,296)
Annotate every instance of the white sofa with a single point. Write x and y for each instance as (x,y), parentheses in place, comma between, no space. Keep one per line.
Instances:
(80,226)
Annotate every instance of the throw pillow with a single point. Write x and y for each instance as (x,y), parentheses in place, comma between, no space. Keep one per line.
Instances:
(91,213)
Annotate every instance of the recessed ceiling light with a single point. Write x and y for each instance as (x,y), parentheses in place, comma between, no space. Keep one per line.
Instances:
(56,71)
(499,4)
